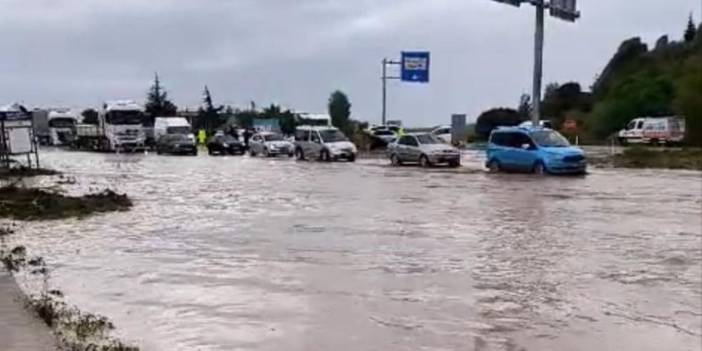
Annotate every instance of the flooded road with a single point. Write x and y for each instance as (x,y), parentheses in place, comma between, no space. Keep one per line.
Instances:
(238,253)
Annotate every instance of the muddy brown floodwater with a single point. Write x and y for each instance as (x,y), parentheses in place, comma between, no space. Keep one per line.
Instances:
(237,253)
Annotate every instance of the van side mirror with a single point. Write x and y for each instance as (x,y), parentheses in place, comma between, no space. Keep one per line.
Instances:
(526,147)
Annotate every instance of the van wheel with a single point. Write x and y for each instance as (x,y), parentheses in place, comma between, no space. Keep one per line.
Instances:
(299,155)
(324,156)
(424,161)
(252,153)
(539,169)
(395,161)
(352,158)
(266,153)
(494,166)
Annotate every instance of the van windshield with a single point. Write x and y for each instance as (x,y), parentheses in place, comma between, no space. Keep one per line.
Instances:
(549,138)
(178,130)
(273,137)
(332,136)
(124,117)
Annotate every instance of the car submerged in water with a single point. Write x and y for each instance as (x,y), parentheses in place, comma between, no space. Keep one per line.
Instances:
(268,144)
(324,144)
(225,144)
(425,149)
(176,144)
(533,150)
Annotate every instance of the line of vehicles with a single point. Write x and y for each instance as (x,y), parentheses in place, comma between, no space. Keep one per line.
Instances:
(524,148)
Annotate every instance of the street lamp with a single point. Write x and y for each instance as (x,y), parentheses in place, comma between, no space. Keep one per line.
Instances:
(562,9)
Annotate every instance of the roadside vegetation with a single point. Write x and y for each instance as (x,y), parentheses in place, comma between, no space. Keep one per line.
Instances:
(644,157)
(22,203)
(75,330)
(23,172)
(637,82)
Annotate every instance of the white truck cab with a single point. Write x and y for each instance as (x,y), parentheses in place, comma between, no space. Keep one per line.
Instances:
(62,126)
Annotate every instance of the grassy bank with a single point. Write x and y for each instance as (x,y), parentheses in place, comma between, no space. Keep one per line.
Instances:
(74,329)
(644,157)
(23,172)
(38,204)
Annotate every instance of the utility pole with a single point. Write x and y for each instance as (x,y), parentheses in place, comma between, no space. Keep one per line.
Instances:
(384,79)
(538,63)
(562,9)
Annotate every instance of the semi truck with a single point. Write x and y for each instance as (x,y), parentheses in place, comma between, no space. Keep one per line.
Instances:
(119,129)
(62,126)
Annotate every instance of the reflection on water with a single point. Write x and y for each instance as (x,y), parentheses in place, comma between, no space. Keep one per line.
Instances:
(240,253)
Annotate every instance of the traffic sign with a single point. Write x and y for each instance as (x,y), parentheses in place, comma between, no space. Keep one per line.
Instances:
(415,66)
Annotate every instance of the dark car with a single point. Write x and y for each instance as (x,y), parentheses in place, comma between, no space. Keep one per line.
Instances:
(225,145)
(177,144)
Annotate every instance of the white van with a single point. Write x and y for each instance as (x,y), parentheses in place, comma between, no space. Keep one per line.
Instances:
(646,130)
(172,125)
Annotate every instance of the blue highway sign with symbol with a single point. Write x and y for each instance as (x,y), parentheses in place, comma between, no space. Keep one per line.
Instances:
(415,66)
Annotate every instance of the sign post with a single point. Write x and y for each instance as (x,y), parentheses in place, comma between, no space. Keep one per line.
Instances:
(414,68)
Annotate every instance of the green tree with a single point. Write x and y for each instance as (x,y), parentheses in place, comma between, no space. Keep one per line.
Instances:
(497,117)
(157,102)
(563,99)
(90,116)
(339,109)
(209,116)
(524,108)
(690,31)
(688,102)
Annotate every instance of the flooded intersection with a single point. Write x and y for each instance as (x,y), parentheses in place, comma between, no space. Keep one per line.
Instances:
(246,253)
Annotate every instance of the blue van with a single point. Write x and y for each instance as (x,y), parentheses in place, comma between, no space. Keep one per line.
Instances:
(536,150)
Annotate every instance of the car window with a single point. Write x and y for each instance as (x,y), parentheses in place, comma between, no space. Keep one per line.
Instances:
(427,139)
(550,138)
(412,141)
(640,125)
(630,125)
(519,139)
(404,140)
(315,137)
(302,135)
(332,136)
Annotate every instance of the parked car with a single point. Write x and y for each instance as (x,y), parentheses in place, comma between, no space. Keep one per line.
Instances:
(425,149)
(323,143)
(662,130)
(224,144)
(536,150)
(270,144)
(443,133)
(178,144)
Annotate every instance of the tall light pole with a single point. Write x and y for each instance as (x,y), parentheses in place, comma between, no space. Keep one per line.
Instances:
(563,9)
(538,63)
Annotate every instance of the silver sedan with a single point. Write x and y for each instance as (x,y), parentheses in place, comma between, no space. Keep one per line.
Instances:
(269,144)
(424,149)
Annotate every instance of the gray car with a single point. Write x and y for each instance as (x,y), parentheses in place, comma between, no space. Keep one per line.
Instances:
(424,149)
(270,144)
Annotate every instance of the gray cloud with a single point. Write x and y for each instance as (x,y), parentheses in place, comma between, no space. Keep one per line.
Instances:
(78,53)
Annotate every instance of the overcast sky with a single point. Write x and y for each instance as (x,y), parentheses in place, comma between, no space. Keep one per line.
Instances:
(295,52)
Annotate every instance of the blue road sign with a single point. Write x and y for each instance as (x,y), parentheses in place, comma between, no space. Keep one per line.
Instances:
(415,66)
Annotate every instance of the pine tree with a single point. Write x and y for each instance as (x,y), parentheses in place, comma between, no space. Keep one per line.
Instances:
(209,114)
(157,102)
(691,30)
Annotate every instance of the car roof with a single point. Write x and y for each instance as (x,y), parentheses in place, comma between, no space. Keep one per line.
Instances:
(519,129)
(316,128)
